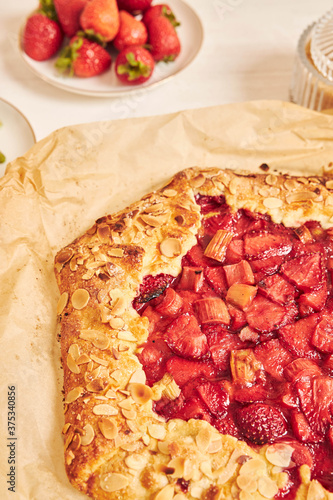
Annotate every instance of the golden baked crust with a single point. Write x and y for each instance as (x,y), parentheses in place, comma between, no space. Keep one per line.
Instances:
(116,447)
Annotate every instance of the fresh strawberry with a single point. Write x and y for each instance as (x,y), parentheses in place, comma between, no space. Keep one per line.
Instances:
(239,273)
(215,277)
(193,408)
(171,303)
(134,65)
(305,272)
(214,223)
(277,289)
(152,357)
(265,315)
(274,357)
(235,251)
(160,10)
(151,287)
(265,244)
(135,6)
(267,266)
(322,337)
(215,397)
(226,425)
(302,429)
(163,39)
(196,257)
(69,15)
(261,423)
(252,394)
(212,310)
(313,301)
(83,58)
(237,318)
(131,31)
(297,337)
(185,338)
(101,16)
(316,395)
(42,37)
(220,347)
(301,368)
(184,370)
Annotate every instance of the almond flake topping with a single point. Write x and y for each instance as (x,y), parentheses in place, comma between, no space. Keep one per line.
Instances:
(247,482)
(116,252)
(129,414)
(95,385)
(110,394)
(108,428)
(271,179)
(170,193)
(138,377)
(65,255)
(163,447)
(128,336)
(279,454)
(329,184)
(88,435)
(126,403)
(203,439)
(99,361)
(215,446)
(170,247)
(272,203)
(154,220)
(301,196)
(80,298)
(140,393)
(104,409)
(178,464)
(166,493)
(113,482)
(116,323)
(65,428)
(97,338)
(157,431)
(84,358)
(267,488)
(255,466)
(119,308)
(72,365)
(198,181)
(74,351)
(74,394)
(136,461)
(62,303)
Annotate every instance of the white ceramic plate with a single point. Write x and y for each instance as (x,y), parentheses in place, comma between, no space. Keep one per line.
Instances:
(16,134)
(190,33)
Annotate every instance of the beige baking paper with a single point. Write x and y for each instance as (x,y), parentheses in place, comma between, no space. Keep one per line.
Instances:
(56,191)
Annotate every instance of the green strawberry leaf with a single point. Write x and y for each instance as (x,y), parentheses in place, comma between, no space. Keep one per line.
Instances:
(47,7)
(133,68)
(170,16)
(67,56)
(93,36)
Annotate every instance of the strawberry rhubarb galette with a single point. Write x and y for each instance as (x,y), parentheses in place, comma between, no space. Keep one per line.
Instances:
(196,334)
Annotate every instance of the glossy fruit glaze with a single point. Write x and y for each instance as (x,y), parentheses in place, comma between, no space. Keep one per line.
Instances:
(246,331)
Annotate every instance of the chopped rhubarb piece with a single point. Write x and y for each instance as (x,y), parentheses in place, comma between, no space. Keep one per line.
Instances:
(217,247)
(193,408)
(301,368)
(215,276)
(184,370)
(252,394)
(215,397)
(185,338)
(264,245)
(235,251)
(265,315)
(261,423)
(322,337)
(171,303)
(267,266)
(237,316)
(244,366)
(247,334)
(212,310)
(305,272)
(274,357)
(191,278)
(239,273)
(304,234)
(277,289)
(240,295)
(297,337)
(220,348)
(302,429)
(313,301)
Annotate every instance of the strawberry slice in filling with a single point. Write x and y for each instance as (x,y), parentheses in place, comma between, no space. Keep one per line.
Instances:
(245,333)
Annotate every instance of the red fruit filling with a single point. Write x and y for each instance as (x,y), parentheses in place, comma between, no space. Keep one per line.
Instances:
(246,332)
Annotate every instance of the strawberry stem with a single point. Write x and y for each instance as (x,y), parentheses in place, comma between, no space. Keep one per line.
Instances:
(133,68)
(67,56)
(47,8)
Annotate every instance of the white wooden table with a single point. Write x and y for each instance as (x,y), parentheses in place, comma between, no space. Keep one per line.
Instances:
(247,54)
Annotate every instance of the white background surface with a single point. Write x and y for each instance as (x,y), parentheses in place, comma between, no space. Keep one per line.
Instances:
(247,54)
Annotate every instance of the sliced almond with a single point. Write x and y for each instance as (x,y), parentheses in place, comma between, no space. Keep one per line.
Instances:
(96,385)
(119,307)
(272,203)
(128,336)
(64,255)
(178,465)
(267,487)
(72,365)
(110,394)
(157,431)
(255,466)
(100,361)
(170,247)
(65,428)
(80,298)
(141,393)
(170,193)
(247,483)
(163,447)
(116,375)
(215,446)
(157,207)
(62,302)
(165,493)
(126,404)
(291,184)
(116,252)
(88,435)
(138,377)
(301,196)
(136,461)
(113,482)
(105,409)
(203,439)
(129,414)
(84,358)
(74,394)
(271,179)
(97,338)
(108,428)
(116,323)
(329,184)
(74,351)
(154,220)
(279,454)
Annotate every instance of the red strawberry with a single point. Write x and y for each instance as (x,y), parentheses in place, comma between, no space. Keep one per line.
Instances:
(305,272)
(274,357)
(134,5)
(170,304)
(302,429)
(131,32)
(69,15)
(163,39)
(211,203)
(267,266)
(301,368)
(235,251)
(226,425)
(313,301)
(265,244)
(191,278)
(160,10)
(196,257)
(238,317)
(214,396)
(42,37)
(151,287)
(297,337)
(256,392)
(277,289)
(83,58)
(316,395)
(184,370)
(185,338)
(239,273)
(265,315)
(322,337)
(102,16)
(193,408)
(220,347)
(134,65)
(261,423)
